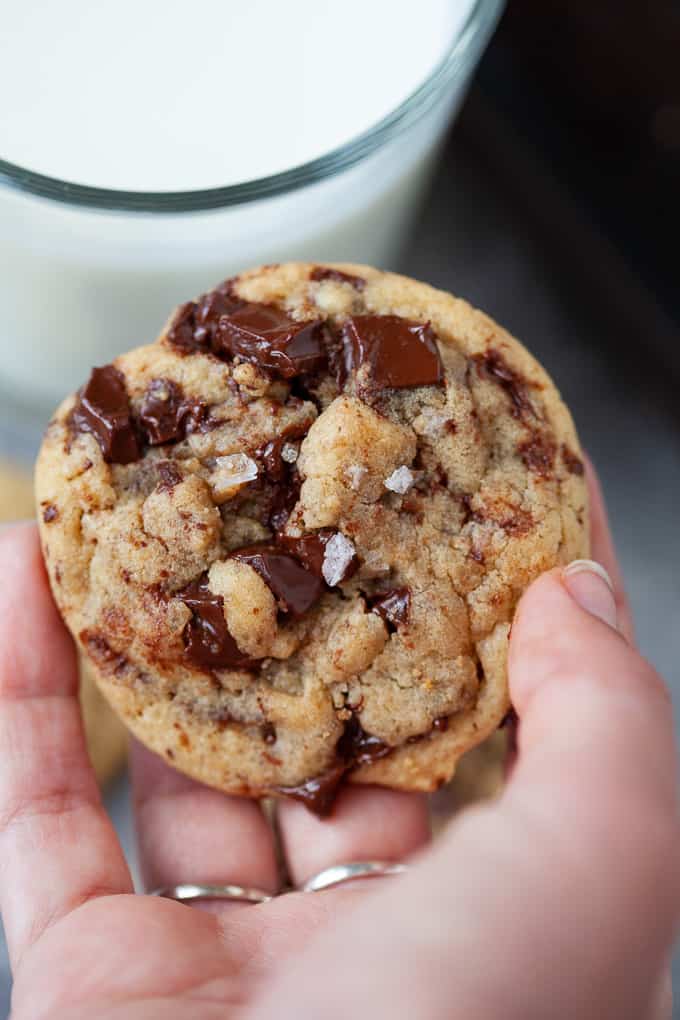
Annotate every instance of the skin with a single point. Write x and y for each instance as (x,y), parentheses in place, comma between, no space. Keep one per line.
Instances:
(558,899)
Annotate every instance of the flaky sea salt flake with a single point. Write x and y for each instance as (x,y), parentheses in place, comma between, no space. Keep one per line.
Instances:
(289,453)
(401,480)
(338,555)
(231,472)
(355,473)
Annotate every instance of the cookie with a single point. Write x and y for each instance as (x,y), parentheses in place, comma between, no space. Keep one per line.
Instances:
(290,535)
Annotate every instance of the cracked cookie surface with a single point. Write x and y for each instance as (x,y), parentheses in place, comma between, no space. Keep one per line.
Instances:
(290,535)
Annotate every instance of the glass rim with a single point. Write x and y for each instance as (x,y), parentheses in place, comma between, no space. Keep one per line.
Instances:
(466,44)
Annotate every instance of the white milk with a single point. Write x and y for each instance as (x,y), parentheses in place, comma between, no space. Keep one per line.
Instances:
(162,95)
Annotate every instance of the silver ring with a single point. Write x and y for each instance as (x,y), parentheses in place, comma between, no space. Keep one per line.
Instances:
(339,873)
(189,891)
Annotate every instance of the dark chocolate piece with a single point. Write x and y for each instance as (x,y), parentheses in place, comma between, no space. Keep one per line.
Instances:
(393,606)
(572,463)
(208,643)
(295,588)
(181,329)
(194,324)
(440,724)
(309,549)
(103,409)
(399,353)
(538,454)
(321,273)
(168,474)
(50,513)
(493,366)
(163,412)
(168,416)
(267,336)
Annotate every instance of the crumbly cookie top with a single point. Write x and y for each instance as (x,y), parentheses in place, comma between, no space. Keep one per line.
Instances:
(308,510)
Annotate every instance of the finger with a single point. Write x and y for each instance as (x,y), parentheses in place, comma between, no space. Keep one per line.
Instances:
(570,877)
(187,832)
(57,846)
(367,823)
(602,547)
(662,1004)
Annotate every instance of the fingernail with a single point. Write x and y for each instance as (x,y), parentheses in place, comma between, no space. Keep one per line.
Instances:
(591,587)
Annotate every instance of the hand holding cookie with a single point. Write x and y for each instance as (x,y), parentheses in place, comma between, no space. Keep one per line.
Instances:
(523,908)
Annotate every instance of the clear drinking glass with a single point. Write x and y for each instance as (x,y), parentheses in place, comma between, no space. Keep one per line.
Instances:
(86,273)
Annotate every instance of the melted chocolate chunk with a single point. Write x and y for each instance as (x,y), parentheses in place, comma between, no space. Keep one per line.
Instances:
(317,794)
(50,513)
(357,747)
(207,640)
(572,463)
(276,468)
(181,329)
(295,588)
(393,606)
(267,336)
(310,549)
(538,454)
(163,413)
(103,410)
(440,724)
(398,353)
(169,476)
(493,366)
(321,273)
(195,323)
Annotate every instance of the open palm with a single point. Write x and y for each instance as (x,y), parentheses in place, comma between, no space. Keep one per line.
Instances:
(525,908)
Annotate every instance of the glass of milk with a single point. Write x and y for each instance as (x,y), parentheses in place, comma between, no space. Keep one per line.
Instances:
(151,149)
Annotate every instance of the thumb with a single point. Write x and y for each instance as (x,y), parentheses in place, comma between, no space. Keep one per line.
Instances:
(596,772)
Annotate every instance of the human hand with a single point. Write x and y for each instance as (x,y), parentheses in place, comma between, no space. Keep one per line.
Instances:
(557,900)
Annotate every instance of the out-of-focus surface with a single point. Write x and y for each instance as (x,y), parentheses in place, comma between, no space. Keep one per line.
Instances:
(511,237)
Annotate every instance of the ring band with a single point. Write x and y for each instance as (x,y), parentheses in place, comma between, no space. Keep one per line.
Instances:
(188,892)
(339,873)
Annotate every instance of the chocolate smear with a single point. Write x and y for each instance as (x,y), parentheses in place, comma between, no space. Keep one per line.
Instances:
(169,476)
(208,642)
(103,410)
(397,352)
(294,586)
(538,454)
(493,366)
(572,463)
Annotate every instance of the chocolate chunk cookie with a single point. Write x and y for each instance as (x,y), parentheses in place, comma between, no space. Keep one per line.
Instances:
(290,534)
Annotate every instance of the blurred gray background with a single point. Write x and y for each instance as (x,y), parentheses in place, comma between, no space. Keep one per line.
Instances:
(503,231)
